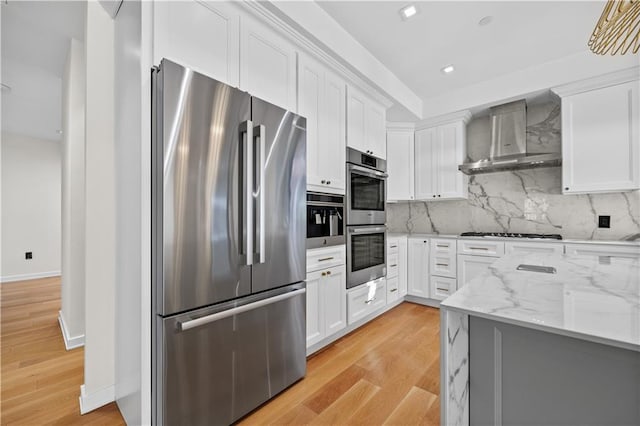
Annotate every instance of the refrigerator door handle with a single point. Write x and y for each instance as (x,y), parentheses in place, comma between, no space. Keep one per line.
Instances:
(259,134)
(246,197)
(187,325)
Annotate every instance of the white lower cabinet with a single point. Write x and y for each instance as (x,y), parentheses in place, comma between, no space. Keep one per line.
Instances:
(392,290)
(315,316)
(442,287)
(326,303)
(366,299)
(403,266)
(418,267)
(470,267)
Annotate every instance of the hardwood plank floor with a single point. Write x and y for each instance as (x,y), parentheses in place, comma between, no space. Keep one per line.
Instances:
(40,379)
(386,372)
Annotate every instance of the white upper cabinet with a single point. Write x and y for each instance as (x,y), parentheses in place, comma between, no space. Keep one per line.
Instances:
(200,35)
(321,101)
(267,64)
(365,124)
(600,137)
(400,164)
(438,152)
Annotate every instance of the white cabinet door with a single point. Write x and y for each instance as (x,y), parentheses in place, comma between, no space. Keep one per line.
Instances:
(442,287)
(202,35)
(356,122)
(425,173)
(267,64)
(315,310)
(310,88)
(332,133)
(470,267)
(450,153)
(392,290)
(418,275)
(402,266)
(334,294)
(533,247)
(375,132)
(400,165)
(601,140)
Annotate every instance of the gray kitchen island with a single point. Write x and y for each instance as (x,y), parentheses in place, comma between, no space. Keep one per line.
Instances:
(543,339)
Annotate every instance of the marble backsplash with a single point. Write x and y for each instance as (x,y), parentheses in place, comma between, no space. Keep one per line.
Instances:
(521,201)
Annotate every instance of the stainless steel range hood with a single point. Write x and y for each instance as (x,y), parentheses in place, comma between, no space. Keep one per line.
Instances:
(509,143)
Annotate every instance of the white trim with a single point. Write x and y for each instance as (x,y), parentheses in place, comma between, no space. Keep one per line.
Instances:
(89,402)
(464,116)
(69,342)
(400,126)
(604,80)
(24,277)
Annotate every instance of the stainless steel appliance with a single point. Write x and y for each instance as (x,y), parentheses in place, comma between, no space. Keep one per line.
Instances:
(512,235)
(366,247)
(228,249)
(325,219)
(366,189)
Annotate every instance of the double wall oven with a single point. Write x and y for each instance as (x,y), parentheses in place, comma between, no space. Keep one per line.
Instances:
(366,216)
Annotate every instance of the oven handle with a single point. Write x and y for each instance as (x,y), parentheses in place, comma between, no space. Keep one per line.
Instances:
(367,172)
(367,230)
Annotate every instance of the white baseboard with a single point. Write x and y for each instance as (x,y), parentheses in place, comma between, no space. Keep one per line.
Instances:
(24,277)
(89,402)
(69,341)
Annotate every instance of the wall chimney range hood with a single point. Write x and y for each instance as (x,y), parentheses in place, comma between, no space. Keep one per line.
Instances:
(509,143)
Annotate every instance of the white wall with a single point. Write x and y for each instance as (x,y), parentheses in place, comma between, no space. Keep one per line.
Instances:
(100,175)
(73,199)
(30,207)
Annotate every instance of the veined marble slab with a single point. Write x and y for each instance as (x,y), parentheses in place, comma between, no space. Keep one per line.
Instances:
(591,298)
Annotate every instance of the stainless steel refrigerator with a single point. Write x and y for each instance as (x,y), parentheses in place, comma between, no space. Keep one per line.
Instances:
(228,249)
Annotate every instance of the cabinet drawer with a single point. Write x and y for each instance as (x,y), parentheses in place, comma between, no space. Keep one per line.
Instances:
(533,247)
(603,250)
(481,247)
(365,299)
(442,287)
(443,246)
(442,259)
(392,245)
(392,265)
(392,290)
(323,258)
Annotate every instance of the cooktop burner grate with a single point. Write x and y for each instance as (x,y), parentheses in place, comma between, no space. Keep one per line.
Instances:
(511,235)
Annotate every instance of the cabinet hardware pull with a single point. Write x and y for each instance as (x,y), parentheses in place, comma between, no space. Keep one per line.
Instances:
(393,246)
(442,264)
(566,188)
(326,258)
(323,181)
(442,245)
(442,289)
(366,302)
(478,248)
(324,274)
(394,265)
(328,272)
(328,182)
(392,290)
(438,195)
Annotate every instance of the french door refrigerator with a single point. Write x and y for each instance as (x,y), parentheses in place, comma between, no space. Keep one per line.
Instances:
(228,249)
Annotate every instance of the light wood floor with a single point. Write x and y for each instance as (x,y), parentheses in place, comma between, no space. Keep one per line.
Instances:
(40,378)
(386,372)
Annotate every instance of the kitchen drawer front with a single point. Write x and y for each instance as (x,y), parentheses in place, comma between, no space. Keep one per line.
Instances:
(443,246)
(481,247)
(442,258)
(392,265)
(442,287)
(533,247)
(392,245)
(603,250)
(326,257)
(392,290)
(361,301)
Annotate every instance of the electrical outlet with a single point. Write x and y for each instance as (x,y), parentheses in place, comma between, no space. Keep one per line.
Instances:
(28,255)
(604,221)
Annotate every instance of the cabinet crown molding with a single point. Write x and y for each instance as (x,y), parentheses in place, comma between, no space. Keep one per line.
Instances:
(463,116)
(400,126)
(604,80)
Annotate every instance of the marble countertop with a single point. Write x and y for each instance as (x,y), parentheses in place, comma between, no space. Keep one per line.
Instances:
(540,240)
(590,298)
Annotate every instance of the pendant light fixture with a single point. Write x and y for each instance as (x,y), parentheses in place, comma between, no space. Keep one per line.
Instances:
(618,29)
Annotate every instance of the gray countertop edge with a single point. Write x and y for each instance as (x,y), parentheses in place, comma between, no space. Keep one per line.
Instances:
(548,329)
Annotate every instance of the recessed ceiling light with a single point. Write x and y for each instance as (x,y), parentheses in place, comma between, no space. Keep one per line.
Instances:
(448,69)
(408,11)
(485,21)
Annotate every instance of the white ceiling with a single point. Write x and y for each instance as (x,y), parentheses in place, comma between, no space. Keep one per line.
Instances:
(35,42)
(522,34)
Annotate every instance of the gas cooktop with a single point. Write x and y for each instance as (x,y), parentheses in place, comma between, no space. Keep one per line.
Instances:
(511,235)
